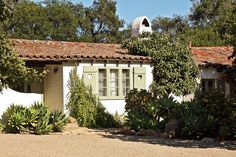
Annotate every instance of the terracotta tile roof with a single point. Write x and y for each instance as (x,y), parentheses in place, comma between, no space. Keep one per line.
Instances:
(212,55)
(60,50)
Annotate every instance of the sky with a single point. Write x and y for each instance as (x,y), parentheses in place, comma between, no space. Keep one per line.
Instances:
(128,10)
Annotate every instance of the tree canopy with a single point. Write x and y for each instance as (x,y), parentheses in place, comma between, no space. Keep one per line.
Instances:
(208,24)
(174,69)
(12,69)
(64,20)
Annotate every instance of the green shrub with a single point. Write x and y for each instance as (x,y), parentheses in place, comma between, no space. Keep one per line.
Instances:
(84,106)
(81,104)
(141,110)
(13,119)
(58,121)
(103,118)
(119,119)
(144,111)
(194,122)
(223,110)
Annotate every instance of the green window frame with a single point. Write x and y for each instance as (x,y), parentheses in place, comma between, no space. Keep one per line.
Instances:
(116,84)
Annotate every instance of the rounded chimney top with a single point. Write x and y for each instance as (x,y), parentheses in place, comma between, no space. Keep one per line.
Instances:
(140,25)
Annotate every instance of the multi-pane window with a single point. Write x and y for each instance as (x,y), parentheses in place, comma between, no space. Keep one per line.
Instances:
(102,82)
(114,82)
(125,81)
(207,85)
(211,84)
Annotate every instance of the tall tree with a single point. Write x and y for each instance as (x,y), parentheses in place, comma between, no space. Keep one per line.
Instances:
(29,21)
(104,24)
(170,26)
(63,22)
(214,13)
(12,69)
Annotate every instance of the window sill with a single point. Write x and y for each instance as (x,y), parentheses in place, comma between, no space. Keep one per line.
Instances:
(111,97)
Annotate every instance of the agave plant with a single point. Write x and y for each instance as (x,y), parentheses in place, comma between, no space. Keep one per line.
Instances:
(32,117)
(43,127)
(13,119)
(58,121)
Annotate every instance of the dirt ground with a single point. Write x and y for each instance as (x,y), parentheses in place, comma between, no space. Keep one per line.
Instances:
(83,142)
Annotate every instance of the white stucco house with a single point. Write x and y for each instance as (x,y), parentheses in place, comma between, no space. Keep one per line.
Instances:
(107,68)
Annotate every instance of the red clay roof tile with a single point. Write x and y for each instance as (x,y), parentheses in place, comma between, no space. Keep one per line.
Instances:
(60,50)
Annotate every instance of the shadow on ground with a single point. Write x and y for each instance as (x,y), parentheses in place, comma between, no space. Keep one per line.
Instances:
(111,133)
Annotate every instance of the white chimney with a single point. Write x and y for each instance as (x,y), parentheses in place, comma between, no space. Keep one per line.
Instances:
(140,25)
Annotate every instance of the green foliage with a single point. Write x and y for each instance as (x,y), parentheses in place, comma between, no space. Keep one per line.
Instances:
(84,105)
(13,119)
(223,111)
(144,111)
(171,26)
(140,109)
(174,69)
(64,20)
(58,121)
(6,7)
(104,118)
(194,122)
(210,115)
(43,126)
(36,119)
(12,69)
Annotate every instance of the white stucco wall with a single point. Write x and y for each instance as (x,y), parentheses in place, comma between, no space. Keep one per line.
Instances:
(9,96)
(111,105)
(209,73)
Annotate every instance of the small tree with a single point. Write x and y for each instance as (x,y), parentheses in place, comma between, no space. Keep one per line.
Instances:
(85,106)
(81,104)
(12,69)
(174,69)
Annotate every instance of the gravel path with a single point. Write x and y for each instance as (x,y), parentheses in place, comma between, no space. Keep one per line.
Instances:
(97,143)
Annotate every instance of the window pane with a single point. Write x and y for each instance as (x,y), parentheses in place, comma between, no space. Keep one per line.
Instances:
(207,85)
(211,84)
(203,85)
(221,85)
(125,81)
(102,81)
(233,90)
(114,82)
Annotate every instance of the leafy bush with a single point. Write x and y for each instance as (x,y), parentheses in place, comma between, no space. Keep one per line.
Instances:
(103,118)
(140,108)
(194,122)
(58,121)
(37,119)
(85,106)
(223,110)
(144,111)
